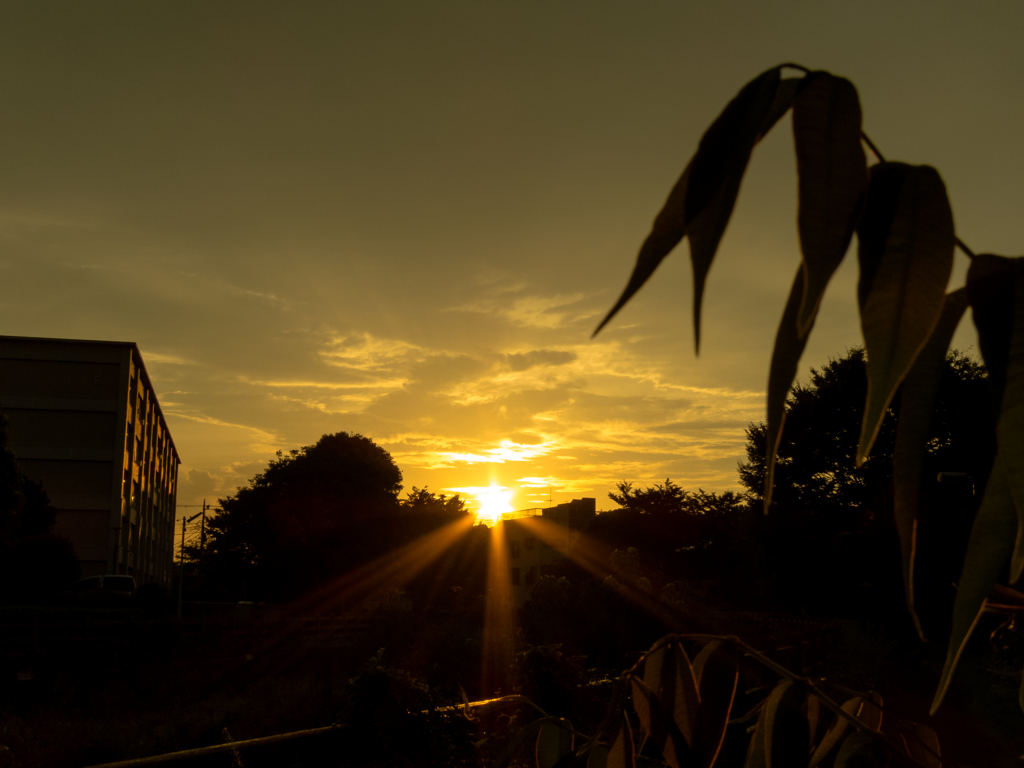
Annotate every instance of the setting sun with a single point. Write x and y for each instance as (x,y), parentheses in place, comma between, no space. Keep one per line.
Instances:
(493,502)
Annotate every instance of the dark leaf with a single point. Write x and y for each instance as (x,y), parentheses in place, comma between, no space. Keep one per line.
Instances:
(996,288)
(621,754)
(988,550)
(1008,356)
(669,228)
(906,256)
(789,346)
(716,173)
(520,741)
(718,679)
(862,749)
(833,174)
(921,744)
(781,104)
(991,286)
(836,732)
(554,741)
(919,392)
(668,673)
(701,659)
(786,733)
(756,755)
(871,711)
(657,722)
(814,711)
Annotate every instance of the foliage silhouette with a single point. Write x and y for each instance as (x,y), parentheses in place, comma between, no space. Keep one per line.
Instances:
(836,519)
(32,559)
(906,239)
(312,514)
(422,501)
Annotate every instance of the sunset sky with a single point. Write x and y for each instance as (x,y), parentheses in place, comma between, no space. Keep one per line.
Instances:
(405,219)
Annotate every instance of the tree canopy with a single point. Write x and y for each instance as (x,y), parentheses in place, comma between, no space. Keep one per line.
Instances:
(309,515)
(836,519)
(31,557)
(670,499)
(420,501)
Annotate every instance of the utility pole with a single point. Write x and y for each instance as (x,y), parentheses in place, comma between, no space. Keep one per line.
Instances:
(202,530)
(181,578)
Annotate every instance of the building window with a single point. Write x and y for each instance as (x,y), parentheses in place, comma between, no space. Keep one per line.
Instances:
(515,577)
(531,575)
(529,542)
(514,546)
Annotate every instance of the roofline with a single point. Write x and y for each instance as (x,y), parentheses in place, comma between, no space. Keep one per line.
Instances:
(141,366)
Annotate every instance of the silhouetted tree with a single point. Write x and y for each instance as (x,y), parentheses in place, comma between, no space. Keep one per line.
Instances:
(835,519)
(32,559)
(670,499)
(422,502)
(312,514)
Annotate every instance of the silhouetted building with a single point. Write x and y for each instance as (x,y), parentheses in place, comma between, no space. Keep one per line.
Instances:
(84,421)
(528,554)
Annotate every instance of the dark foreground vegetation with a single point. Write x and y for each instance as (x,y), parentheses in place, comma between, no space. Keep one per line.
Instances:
(815,587)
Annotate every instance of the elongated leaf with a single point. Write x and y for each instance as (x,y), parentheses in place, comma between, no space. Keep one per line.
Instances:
(1010,425)
(988,549)
(719,675)
(991,286)
(612,722)
(716,173)
(667,672)
(789,346)
(622,754)
(871,711)
(702,200)
(921,744)
(862,749)
(658,723)
(814,710)
(906,255)
(833,175)
(701,659)
(756,755)
(669,228)
(919,392)
(996,288)
(598,757)
(520,740)
(785,726)
(836,732)
(554,741)
(781,104)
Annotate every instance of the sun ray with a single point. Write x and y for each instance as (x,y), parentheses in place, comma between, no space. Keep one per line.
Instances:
(590,555)
(499,620)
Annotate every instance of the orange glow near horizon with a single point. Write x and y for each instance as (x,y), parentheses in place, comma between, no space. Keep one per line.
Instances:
(494,501)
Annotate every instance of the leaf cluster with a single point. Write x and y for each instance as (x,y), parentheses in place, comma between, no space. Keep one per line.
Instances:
(903,221)
(662,500)
(716,710)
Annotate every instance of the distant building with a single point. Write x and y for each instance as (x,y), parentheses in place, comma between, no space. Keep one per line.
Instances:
(528,555)
(84,421)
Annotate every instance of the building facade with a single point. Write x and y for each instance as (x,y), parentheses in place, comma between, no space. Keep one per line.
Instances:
(83,419)
(530,554)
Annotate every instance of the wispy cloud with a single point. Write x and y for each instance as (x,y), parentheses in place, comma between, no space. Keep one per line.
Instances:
(536,311)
